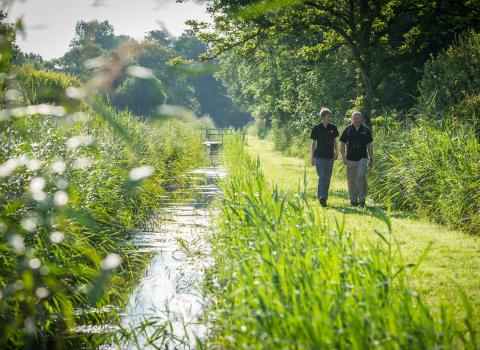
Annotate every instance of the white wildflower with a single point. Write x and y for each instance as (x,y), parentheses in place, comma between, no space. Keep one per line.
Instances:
(58,167)
(8,167)
(111,261)
(41,292)
(57,237)
(60,198)
(34,263)
(137,174)
(80,140)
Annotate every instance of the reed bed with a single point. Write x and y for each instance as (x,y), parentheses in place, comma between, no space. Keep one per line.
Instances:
(73,189)
(431,169)
(283,279)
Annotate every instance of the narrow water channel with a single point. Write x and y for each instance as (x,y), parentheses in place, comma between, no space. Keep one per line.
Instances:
(165,309)
(169,292)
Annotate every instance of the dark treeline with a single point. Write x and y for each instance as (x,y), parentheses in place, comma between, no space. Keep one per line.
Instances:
(164,55)
(283,60)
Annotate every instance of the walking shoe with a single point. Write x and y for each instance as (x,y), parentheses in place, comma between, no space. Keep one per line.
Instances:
(362,204)
(323,202)
(353,204)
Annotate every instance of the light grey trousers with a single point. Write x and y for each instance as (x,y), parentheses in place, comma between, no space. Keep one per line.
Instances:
(324,171)
(357,180)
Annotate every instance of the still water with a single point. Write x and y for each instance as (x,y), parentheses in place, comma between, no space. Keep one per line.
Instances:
(170,288)
(166,309)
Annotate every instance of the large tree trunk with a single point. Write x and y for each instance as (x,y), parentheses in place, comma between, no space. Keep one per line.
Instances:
(368,94)
(368,105)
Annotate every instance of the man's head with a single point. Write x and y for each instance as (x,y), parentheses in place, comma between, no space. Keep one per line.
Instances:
(357,118)
(326,115)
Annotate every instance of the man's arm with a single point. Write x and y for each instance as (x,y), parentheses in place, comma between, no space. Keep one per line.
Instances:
(342,150)
(312,152)
(335,149)
(370,155)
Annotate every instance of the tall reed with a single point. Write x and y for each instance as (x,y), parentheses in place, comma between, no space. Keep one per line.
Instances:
(431,169)
(285,279)
(72,191)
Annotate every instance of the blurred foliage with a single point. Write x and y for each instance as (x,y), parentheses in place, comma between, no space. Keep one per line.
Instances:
(41,86)
(8,48)
(92,39)
(86,161)
(29,59)
(141,96)
(165,56)
(77,178)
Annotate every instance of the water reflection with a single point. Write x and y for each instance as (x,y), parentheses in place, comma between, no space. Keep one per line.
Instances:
(169,294)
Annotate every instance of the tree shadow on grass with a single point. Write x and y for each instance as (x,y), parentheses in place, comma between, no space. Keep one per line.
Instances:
(376,210)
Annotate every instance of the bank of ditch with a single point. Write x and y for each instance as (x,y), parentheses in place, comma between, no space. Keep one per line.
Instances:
(74,189)
(291,274)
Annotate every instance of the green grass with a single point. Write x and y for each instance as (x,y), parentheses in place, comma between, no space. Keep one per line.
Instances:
(44,279)
(430,170)
(452,263)
(288,275)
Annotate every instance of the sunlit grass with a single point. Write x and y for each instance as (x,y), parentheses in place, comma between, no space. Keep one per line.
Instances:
(288,278)
(449,268)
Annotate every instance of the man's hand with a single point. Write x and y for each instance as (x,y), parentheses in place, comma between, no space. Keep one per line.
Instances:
(370,164)
(345,161)
(335,156)
(312,160)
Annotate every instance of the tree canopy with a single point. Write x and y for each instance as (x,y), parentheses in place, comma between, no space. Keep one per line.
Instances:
(386,40)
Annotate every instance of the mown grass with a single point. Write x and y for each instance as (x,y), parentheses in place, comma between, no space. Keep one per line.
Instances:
(286,277)
(449,269)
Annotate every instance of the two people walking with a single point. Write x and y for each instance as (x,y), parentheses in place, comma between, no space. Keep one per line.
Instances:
(357,155)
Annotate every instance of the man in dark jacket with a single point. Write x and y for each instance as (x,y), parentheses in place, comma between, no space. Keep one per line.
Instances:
(324,152)
(357,139)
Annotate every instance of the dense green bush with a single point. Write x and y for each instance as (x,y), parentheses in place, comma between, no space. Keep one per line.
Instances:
(72,190)
(291,143)
(433,170)
(469,109)
(261,129)
(141,96)
(451,82)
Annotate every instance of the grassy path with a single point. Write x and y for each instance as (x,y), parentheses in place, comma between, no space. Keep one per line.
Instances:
(452,263)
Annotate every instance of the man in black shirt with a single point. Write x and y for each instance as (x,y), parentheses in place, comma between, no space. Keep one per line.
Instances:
(324,152)
(357,138)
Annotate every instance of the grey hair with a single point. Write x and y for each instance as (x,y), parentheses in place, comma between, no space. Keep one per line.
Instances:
(357,112)
(324,111)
